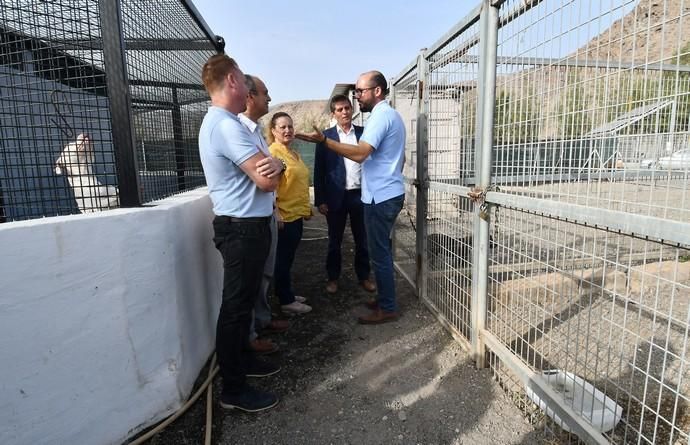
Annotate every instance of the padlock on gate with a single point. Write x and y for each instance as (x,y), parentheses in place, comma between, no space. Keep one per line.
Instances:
(484,211)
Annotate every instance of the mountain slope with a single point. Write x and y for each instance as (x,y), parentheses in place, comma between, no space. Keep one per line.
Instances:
(304,113)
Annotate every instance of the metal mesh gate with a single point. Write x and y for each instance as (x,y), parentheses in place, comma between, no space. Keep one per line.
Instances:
(570,273)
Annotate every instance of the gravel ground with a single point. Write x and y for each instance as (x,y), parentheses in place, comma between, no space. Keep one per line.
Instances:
(407,382)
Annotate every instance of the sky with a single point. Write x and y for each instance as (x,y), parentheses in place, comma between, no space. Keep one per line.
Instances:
(302,49)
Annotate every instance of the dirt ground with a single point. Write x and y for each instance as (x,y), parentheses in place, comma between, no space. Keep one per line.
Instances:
(407,382)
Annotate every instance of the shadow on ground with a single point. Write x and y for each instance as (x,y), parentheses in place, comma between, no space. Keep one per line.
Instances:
(403,382)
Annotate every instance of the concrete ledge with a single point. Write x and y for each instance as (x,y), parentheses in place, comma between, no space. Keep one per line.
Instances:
(105,319)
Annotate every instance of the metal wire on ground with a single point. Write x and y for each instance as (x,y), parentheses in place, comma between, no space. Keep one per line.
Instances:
(213,370)
(209,402)
(315,238)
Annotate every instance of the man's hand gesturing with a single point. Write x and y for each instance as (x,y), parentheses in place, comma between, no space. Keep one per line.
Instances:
(315,137)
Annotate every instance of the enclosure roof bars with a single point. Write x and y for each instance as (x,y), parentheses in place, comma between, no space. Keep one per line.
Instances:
(217,41)
(49,63)
(80,47)
(629,118)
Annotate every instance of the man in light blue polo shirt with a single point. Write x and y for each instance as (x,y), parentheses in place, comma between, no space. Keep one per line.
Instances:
(240,179)
(381,151)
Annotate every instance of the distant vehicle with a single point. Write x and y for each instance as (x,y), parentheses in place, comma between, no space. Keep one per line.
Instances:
(648,163)
(679,160)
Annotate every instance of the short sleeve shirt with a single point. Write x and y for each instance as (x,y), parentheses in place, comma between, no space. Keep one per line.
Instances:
(382,177)
(224,144)
(255,131)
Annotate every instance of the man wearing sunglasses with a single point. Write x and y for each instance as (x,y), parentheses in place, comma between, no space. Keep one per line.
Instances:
(381,151)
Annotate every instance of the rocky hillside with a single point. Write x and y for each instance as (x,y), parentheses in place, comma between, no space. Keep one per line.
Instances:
(651,32)
(304,114)
(554,102)
(157,125)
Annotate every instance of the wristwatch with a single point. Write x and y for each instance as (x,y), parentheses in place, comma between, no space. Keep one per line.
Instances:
(284,164)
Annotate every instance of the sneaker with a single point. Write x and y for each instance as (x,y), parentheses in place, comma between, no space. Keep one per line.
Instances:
(260,368)
(249,399)
(295,308)
(300,298)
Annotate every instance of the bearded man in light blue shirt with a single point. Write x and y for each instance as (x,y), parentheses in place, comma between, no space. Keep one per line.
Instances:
(381,151)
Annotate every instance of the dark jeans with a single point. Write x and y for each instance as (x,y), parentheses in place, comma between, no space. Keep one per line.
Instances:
(288,240)
(379,219)
(352,205)
(244,247)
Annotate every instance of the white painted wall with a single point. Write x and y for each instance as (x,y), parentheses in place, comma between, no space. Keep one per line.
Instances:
(105,319)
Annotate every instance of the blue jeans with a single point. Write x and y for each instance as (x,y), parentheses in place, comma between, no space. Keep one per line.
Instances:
(244,247)
(288,241)
(379,219)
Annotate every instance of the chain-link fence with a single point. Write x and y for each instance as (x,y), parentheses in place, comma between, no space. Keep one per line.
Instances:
(100,103)
(569,274)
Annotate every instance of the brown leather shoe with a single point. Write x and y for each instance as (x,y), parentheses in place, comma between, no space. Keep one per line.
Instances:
(332,287)
(276,326)
(368,285)
(372,304)
(378,316)
(263,346)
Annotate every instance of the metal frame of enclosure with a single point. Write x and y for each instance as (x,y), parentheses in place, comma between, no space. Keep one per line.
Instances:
(125,74)
(539,226)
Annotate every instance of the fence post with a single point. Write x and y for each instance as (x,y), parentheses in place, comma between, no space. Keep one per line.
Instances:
(391,92)
(422,182)
(120,102)
(391,101)
(2,207)
(178,143)
(483,147)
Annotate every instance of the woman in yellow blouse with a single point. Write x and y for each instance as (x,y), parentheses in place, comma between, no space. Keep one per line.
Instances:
(293,206)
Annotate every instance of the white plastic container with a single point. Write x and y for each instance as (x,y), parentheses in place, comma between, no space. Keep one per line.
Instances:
(600,411)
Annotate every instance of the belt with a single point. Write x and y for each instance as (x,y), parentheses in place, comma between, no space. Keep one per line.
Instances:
(249,220)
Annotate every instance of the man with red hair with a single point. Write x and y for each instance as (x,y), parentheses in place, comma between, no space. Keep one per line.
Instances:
(240,179)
